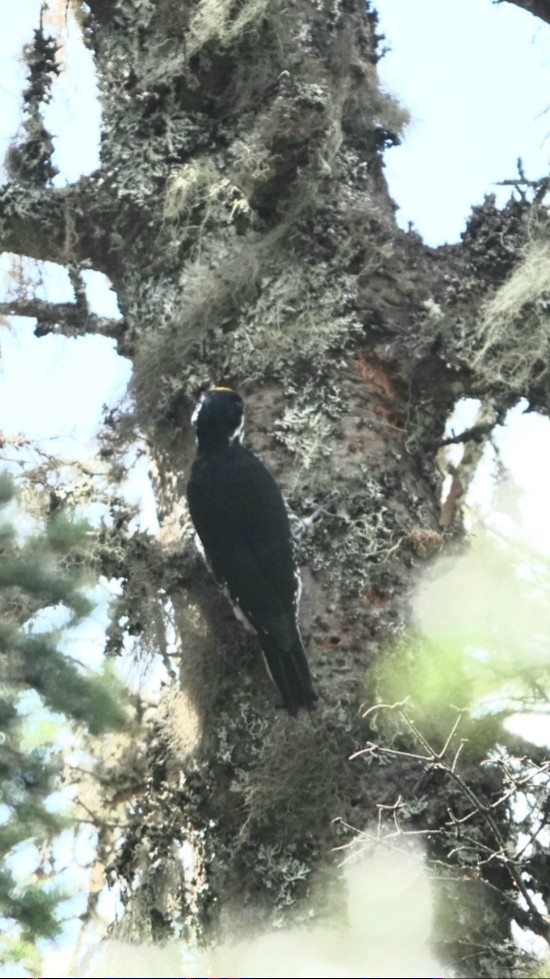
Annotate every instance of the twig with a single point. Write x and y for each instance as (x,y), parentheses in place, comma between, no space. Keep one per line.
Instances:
(474,434)
(536,921)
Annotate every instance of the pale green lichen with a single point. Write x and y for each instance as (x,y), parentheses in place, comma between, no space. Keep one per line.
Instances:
(217,21)
(521,307)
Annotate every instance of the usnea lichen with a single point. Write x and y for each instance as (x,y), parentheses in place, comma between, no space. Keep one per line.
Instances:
(521,307)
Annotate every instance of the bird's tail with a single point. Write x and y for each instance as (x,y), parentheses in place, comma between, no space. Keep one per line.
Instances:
(290,672)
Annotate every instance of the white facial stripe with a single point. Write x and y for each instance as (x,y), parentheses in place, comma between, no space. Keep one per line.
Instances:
(195,414)
(238,433)
(297,587)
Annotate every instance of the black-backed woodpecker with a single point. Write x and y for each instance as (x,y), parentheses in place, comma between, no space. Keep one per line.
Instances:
(242,522)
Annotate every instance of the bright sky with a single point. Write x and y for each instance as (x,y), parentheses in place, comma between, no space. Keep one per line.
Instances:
(475,77)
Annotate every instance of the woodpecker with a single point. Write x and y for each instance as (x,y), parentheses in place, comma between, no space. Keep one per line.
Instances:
(240,517)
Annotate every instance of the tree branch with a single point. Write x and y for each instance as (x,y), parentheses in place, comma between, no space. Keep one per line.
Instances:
(67,319)
(65,226)
(474,434)
(537,920)
(539,8)
(34,222)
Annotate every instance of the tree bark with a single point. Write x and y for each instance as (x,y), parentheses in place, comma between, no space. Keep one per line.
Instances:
(242,214)
(68,226)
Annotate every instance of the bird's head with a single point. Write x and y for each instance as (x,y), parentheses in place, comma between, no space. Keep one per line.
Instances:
(219,418)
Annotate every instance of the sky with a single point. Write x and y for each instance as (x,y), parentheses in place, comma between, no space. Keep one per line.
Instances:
(474,76)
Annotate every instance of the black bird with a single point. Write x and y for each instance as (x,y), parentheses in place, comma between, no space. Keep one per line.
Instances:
(241,519)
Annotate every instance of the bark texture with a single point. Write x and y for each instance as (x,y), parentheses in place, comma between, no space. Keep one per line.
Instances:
(242,215)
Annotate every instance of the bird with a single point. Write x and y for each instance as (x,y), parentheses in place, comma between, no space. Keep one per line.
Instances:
(240,517)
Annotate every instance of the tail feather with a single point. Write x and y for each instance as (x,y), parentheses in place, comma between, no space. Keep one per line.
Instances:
(290,672)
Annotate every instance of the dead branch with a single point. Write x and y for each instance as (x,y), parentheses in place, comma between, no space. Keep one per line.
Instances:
(50,459)
(474,434)
(535,920)
(66,319)
(522,184)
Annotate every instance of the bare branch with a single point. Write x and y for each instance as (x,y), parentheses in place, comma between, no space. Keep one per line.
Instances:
(522,185)
(538,922)
(437,759)
(50,460)
(474,434)
(67,319)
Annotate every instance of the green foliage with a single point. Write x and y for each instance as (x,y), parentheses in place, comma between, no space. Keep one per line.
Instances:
(449,702)
(543,972)
(484,616)
(64,534)
(34,578)
(84,697)
(21,571)
(32,907)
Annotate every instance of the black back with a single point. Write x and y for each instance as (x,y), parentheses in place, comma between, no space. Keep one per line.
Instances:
(240,516)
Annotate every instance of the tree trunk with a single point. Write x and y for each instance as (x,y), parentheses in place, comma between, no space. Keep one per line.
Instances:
(242,215)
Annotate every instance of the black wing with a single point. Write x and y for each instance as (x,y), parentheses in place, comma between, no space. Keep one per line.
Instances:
(241,519)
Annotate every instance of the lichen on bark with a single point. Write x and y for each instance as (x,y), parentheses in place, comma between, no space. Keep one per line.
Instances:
(242,214)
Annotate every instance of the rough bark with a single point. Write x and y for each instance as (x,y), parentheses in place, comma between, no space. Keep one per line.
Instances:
(68,226)
(242,215)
